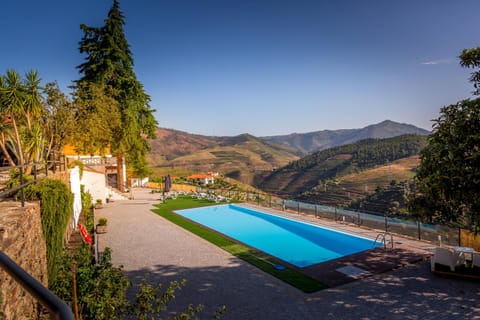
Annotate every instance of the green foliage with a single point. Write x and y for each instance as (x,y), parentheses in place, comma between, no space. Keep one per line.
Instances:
(58,119)
(102,222)
(152,300)
(305,174)
(80,165)
(109,64)
(102,290)
(389,200)
(36,120)
(56,205)
(470,58)
(87,208)
(14,181)
(449,176)
(366,153)
(97,118)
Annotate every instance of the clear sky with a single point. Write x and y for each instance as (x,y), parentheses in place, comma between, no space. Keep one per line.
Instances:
(265,67)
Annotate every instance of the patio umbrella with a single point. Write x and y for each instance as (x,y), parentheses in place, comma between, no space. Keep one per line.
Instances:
(168,183)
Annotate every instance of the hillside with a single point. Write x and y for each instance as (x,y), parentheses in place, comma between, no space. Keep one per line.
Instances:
(321,140)
(238,157)
(171,144)
(341,191)
(309,174)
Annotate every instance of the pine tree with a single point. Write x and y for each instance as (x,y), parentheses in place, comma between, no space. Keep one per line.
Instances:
(109,62)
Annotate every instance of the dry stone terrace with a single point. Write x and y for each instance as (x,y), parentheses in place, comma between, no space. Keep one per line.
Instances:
(145,243)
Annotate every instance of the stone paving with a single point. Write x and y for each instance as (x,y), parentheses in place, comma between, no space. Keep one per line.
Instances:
(145,243)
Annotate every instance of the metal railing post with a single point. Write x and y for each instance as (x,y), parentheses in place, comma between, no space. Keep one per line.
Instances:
(22,192)
(58,309)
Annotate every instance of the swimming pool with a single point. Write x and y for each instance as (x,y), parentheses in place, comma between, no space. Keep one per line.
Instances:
(301,244)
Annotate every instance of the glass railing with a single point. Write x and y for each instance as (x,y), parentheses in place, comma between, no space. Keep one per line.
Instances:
(410,228)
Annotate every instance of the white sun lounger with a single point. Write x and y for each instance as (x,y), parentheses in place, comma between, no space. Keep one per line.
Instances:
(446,257)
(476,260)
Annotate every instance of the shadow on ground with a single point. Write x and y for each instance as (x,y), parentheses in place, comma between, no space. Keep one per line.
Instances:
(410,293)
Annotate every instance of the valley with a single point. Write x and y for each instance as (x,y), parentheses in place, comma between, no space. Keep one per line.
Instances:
(343,175)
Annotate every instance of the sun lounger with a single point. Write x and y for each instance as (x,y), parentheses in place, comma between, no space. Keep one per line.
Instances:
(476,260)
(446,257)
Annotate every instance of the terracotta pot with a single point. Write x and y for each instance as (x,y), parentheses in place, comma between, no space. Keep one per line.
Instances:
(101,229)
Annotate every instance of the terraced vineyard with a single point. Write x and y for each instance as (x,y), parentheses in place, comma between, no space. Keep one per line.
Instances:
(345,189)
(343,175)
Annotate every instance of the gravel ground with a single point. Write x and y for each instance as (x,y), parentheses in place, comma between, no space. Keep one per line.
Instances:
(143,242)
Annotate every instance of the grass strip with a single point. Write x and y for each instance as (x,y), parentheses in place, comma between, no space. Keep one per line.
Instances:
(258,259)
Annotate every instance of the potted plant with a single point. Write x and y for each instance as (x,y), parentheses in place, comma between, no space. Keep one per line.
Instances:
(102,225)
(98,204)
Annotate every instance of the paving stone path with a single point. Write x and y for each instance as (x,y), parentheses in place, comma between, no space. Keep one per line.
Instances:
(145,243)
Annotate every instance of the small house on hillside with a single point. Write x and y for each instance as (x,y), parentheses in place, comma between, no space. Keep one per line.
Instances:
(202,178)
(138,182)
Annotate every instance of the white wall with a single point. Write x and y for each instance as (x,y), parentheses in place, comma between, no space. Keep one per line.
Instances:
(95,184)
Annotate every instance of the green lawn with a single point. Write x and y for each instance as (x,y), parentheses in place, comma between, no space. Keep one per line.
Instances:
(258,259)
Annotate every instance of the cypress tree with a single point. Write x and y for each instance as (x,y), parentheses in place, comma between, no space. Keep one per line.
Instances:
(109,62)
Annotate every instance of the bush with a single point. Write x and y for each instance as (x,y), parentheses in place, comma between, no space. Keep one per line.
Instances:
(102,222)
(56,208)
(101,290)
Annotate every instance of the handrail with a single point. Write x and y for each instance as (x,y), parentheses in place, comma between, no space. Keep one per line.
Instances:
(5,192)
(59,310)
(383,235)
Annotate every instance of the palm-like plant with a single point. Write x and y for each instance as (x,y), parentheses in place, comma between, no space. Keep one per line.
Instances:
(21,133)
(32,99)
(12,105)
(5,134)
(34,143)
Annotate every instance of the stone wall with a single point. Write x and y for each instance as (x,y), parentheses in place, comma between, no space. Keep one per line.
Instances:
(21,239)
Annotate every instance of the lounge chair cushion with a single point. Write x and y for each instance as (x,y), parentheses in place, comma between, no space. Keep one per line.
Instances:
(446,257)
(476,260)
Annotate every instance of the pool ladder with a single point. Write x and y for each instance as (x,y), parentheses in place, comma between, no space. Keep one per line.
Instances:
(382,237)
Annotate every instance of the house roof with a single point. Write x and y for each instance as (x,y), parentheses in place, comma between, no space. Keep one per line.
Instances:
(200,176)
(69,150)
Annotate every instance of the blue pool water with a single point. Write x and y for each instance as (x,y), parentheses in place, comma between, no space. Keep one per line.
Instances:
(298,243)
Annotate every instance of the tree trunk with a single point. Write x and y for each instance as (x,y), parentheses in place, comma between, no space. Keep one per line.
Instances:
(5,153)
(120,177)
(21,162)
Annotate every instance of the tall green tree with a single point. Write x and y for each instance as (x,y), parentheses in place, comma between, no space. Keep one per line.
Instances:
(96,118)
(448,179)
(109,62)
(449,175)
(470,58)
(58,119)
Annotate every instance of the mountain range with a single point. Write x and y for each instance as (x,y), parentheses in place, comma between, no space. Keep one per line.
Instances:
(311,173)
(309,142)
(241,157)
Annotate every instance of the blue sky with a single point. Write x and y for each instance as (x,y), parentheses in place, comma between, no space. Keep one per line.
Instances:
(225,67)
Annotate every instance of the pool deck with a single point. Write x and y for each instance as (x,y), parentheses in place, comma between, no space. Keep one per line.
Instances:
(380,260)
(144,243)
